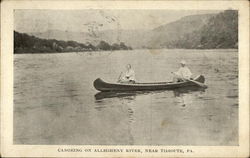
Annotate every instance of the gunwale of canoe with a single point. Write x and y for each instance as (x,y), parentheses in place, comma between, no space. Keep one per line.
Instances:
(101,85)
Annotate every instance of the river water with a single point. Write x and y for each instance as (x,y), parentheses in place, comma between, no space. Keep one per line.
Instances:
(55,102)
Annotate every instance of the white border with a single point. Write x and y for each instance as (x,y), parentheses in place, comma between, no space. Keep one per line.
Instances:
(7,149)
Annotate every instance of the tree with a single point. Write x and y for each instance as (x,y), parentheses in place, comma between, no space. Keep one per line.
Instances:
(91,47)
(115,46)
(103,46)
(123,46)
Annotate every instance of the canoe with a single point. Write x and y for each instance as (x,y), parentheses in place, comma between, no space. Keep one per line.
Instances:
(103,86)
(130,94)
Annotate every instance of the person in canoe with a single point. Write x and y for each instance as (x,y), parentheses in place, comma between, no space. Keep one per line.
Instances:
(183,73)
(128,76)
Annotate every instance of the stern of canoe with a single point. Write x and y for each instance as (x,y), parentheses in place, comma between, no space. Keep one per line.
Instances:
(200,79)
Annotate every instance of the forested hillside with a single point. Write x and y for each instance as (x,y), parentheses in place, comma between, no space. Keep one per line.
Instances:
(24,43)
(221,31)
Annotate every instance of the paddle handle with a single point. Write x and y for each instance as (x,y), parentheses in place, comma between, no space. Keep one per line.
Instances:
(196,82)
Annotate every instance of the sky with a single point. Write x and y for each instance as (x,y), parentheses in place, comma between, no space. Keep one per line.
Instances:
(86,20)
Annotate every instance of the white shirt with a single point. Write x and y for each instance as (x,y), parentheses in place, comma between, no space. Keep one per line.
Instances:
(130,75)
(184,72)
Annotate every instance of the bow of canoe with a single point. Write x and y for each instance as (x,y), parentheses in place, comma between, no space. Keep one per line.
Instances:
(103,86)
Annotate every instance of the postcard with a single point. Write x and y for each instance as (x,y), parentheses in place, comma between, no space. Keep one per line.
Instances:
(124,78)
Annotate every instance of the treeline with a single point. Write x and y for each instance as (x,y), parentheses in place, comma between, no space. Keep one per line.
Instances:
(24,43)
(221,31)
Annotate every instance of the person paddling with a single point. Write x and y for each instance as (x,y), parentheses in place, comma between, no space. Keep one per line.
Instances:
(183,73)
(128,76)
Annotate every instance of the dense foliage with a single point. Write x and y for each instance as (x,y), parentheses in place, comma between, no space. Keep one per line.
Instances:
(24,43)
(221,31)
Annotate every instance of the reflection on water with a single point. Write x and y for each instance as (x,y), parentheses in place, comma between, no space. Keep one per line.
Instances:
(54,93)
(183,97)
(127,99)
(103,95)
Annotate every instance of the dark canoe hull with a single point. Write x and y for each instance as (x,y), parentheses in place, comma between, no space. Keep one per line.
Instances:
(102,86)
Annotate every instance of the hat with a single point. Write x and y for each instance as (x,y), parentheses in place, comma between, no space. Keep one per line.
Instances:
(183,62)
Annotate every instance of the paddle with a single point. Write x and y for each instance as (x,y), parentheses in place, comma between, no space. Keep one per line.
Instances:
(119,78)
(196,82)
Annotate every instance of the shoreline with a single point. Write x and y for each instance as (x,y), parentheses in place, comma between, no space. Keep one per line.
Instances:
(226,49)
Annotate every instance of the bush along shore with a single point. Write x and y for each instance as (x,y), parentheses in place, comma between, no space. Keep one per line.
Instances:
(24,43)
